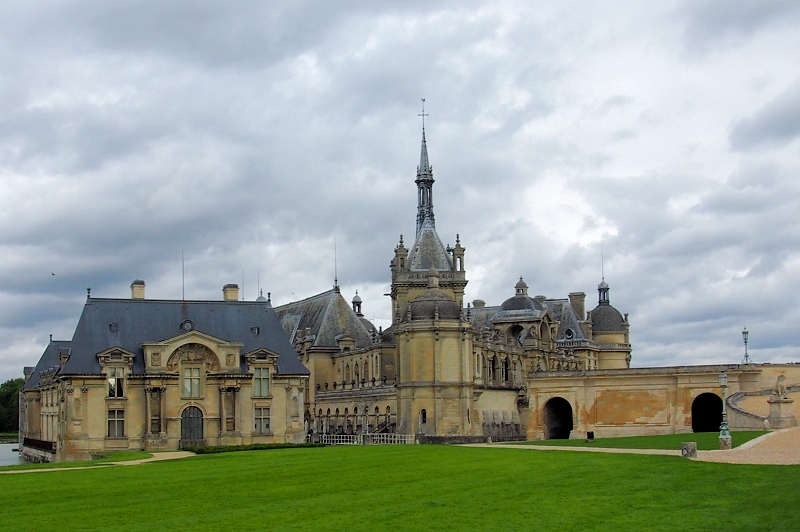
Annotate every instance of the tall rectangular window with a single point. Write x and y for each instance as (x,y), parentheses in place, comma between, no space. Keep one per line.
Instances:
(260,382)
(191,382)
(115,382)
(261,419)
(116,423)
(155,412)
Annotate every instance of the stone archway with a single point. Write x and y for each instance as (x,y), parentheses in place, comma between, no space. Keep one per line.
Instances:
(557,419)
(706,413)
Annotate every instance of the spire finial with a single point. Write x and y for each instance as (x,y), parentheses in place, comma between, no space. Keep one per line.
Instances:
(602,264)
(423,114)
(269,297)
(335,268)
(424,182)
(88,293)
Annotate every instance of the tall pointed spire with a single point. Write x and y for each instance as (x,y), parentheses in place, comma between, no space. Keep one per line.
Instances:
(424,182)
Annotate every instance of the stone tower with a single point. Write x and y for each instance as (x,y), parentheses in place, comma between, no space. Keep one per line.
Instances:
(410,267)
(433,336)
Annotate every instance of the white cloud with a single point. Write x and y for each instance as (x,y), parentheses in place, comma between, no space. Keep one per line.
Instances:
(253,135)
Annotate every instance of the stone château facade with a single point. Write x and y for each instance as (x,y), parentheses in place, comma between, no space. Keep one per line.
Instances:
(155,374)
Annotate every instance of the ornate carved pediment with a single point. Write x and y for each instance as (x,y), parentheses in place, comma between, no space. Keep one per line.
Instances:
(261,355)
(193,353)
(116,356)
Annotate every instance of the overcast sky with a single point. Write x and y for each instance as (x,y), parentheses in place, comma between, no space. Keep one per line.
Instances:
(254,135)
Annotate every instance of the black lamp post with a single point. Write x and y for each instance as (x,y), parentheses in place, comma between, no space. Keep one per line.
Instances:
(724,431)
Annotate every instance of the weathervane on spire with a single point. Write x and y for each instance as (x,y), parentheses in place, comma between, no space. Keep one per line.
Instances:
(423,114)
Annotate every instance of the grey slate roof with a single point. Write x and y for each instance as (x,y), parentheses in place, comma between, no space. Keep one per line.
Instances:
(606,318)
(327,315)
(148,320)
(560,309)
(563,312)
(428,251)
(48,361)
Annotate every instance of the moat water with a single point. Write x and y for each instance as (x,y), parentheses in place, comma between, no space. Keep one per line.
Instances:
(7,456)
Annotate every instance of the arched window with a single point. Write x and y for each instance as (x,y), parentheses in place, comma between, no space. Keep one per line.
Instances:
(505,370)
(424,416)
(356,372)
(347,373)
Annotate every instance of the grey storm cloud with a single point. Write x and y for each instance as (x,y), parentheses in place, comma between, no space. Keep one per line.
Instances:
(252,138)
(776,123)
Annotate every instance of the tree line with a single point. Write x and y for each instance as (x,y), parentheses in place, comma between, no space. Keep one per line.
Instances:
(9,404)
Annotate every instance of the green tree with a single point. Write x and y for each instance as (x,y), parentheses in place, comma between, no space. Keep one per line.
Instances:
(9,404)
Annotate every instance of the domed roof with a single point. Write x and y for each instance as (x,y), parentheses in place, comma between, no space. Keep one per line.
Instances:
(521,303)
(433,300)
(357,298)
(606,318)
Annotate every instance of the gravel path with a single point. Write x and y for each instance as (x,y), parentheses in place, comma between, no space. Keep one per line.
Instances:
(157,457)
(778,448)
(781,447)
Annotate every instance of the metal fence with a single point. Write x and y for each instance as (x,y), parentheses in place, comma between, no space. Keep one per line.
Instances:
(365,439)
(342,439)
(391,439)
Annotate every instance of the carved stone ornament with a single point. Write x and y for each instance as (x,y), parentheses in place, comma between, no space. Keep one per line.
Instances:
(193,353)
(230,359)
(116,356)
(84,389)
(70,390)
(155,359)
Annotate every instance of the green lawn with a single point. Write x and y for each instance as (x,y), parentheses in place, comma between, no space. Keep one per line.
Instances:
(706,441)
(120,456)
(410,487)
(9,437)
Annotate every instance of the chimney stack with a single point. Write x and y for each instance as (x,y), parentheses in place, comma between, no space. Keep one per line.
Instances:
(230,292)
(578,302)
(137,289)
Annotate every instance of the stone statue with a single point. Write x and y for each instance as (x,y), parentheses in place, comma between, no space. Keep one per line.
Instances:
(780,387)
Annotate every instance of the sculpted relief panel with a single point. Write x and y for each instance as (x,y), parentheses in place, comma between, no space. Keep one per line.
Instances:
(193,353)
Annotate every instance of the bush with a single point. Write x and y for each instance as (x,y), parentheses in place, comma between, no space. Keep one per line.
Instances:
(212,449)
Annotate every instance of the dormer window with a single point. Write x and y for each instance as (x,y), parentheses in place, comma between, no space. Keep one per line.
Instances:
(569,334)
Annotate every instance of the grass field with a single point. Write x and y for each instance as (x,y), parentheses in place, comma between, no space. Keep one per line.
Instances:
(120,456)
(411,487)
(706,441)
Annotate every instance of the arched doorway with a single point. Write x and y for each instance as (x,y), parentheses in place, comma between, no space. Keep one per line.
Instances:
(191,425)
(557,419)
(706,413)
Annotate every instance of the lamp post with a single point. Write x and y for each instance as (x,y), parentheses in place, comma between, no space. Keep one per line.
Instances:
(745,335)
(724,432)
